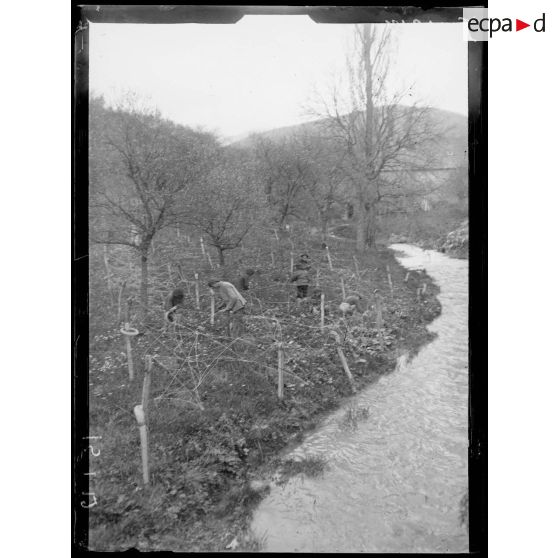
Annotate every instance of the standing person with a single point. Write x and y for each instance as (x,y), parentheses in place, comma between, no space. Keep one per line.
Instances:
(233,303)
(301,276)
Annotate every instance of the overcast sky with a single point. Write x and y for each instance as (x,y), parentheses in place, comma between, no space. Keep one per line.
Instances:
(260,73)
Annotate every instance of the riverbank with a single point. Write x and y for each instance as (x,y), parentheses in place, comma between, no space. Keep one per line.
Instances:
(206,455)
(396,454)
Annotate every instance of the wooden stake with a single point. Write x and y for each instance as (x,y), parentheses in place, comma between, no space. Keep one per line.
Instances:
(120,293)
(107,269)
(202,246)
(128,334)
(343,288)
(406,277)
(292,262)
(212,315)
(197,288)
(138,413)
(424,289)
(128,310)
(280,371)
(170,272)
(276,235)
(343,360)
(318,276)
(146,384)
(389,280)
(329,259)
(356,267)
(209,260)
(322,311)
(379,320)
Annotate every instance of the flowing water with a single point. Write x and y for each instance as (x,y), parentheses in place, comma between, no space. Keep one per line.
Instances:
(394,480)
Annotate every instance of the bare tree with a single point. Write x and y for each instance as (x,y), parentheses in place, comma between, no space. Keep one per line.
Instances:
(228,203)
(285,171)
(324,177)
(141,165)
(375,132)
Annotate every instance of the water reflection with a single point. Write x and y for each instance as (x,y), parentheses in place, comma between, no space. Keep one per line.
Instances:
(394,482)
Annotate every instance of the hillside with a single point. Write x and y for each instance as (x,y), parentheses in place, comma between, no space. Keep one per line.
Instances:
(451,148)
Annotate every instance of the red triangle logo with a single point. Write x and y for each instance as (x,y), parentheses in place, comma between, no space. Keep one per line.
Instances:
(519,25)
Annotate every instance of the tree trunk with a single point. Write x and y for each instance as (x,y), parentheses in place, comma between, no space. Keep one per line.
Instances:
(325,223)
(371,227)
(221,256)
(143,286)
(360,212)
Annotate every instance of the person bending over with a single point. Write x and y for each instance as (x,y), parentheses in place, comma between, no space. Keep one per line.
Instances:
(352,303)
(173,302)
(232,303)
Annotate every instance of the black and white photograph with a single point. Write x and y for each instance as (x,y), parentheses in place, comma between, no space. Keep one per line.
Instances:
(275,304)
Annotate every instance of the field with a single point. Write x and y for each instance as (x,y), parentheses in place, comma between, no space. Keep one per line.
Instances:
(217,427)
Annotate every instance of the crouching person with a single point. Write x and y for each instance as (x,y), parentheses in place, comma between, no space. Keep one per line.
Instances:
(173,302)
(232,304)
(352,303)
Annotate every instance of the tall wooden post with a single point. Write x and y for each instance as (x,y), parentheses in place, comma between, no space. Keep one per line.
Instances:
(202,246)
(280,360)
(212,316)
(343,288)
(379,320)
(389,280)
(146,385)
(107,269)
(329,259)
(322,312)
(197,289)
(140,417)
(356,267)
(120,293)
(343,360)
(128,333)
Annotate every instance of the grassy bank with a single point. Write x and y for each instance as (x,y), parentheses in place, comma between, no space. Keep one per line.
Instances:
(216,425)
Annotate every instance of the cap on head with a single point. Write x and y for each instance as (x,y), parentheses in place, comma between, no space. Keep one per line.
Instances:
(249,271)
(212,281)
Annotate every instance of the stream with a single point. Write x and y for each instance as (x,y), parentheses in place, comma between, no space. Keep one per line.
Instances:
(395,477)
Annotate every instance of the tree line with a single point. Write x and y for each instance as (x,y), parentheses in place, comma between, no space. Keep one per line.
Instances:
(148,174)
